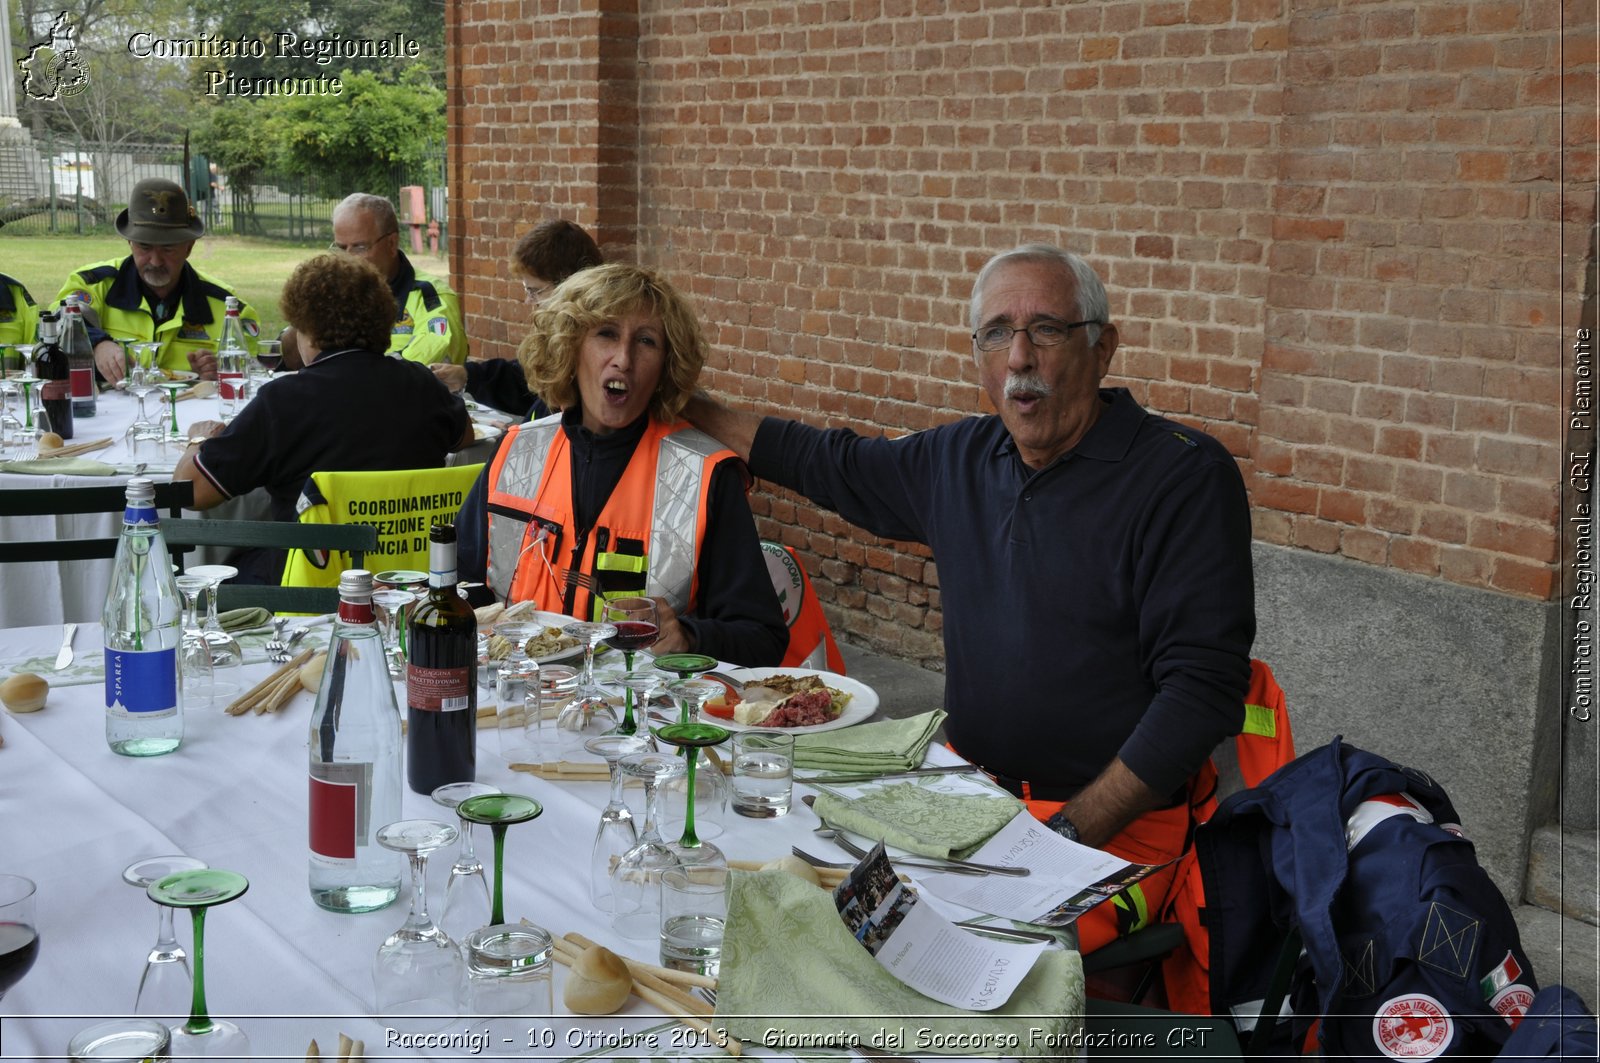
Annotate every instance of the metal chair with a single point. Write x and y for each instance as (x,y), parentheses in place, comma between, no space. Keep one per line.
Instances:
(46,501)
(355,539)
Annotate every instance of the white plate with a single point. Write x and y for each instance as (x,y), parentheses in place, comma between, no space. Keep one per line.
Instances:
(481,431)
(555,620)
(862,704)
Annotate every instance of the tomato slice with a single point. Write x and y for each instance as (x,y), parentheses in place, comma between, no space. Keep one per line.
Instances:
(722,705)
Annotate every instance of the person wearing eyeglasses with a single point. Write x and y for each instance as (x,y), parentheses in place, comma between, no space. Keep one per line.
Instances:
(1094,566)
(546,255)
(428,328)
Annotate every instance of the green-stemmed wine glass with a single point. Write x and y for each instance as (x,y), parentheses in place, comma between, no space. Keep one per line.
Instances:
(637,627)
(499,811)
(197,890)
(173,388)
(710,797)
(166,981)
(685,665)
(690,737)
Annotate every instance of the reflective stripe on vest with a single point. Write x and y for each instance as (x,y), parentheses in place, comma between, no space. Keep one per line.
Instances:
(519,461)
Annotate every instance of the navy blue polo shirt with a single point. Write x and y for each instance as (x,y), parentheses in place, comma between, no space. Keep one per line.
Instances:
(1098,607)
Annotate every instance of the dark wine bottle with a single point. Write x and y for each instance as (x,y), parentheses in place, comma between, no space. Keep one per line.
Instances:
(55,375)
(441,676)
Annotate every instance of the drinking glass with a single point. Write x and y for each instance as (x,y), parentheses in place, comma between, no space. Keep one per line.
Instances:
(694,908)
(763,772)
(19,931)
(513,674)
(195,674)
(120,1041)
(11,437)
(691,737)
(227,657)
(269,355)
(710,796)
(466,893)
(165,985)
(636,881)
(509,977)
(390,606)
(617,833)
(418,969)
(499,811)
(589,714)
(202,1036)
(539,740)
(637,628)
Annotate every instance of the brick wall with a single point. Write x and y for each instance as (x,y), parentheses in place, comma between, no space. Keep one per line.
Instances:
(1337,235)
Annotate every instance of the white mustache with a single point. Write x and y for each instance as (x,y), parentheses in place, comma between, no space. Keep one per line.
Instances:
(1027,384)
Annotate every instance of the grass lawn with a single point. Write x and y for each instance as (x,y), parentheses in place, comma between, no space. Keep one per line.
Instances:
(255,269)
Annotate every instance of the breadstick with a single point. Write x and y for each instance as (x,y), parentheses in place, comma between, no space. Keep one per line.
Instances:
(649,989)
(245,702)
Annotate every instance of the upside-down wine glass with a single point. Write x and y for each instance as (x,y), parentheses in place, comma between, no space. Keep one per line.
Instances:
(19,930)
(196,677)
(227,656)
(418,971)
(589,714)
(691,737)
(637,627)
(165,986)
(173,388)
(202,1036)
(642,685)
(636,880)
(390,607)
(499,811)
(617,833)
(685,665)
(10,426)
(709,796)
(466,893)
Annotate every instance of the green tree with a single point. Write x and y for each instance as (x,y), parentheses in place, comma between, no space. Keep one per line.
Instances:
(353,141)
(244,138)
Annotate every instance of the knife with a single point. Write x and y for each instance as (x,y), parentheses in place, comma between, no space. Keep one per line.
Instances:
(64,658)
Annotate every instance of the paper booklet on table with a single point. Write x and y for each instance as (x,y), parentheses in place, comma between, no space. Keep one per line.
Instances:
(923,949)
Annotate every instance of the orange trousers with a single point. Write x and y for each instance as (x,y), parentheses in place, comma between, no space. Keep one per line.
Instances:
(1156,837)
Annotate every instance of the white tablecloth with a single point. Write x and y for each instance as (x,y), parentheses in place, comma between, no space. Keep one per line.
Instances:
(73,815)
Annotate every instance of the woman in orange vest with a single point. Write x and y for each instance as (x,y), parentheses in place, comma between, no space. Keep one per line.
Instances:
(615,495)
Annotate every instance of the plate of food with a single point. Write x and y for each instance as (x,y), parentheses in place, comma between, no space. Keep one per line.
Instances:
(801,700)
(482,431)
(548,645)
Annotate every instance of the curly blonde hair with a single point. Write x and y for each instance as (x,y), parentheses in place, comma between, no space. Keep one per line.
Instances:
(339,301)
(586,300)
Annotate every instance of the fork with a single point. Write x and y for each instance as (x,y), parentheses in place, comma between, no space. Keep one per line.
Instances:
(286,650)
(817,861)
(839,839)
(275,643)
(575,577)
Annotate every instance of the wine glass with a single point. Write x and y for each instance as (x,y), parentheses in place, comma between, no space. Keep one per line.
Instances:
(195,673)
(418,970)
(227,657)
(19,931)
(691,737)
(142,381)
(466,893)
(641,685)
(10,426)
(617,833)
(710,798)
(198,890)
(589,714)
(499,811)
(512,674)
(637,628)
(269,355)
(165,984)
(636,880)
(172,389)
(390,606)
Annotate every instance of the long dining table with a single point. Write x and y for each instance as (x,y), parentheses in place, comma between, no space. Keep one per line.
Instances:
(73,815)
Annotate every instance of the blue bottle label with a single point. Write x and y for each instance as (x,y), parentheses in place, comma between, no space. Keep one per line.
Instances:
(142,514)
(142,681)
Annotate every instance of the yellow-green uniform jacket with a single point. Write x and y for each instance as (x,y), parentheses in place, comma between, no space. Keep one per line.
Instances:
(115,308)
(19,318)
(429,326)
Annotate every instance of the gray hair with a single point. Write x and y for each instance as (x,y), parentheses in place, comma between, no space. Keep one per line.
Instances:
(381,209)
(1092,304)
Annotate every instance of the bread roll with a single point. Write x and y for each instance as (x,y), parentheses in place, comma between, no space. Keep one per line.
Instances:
(24,692)
(598,984)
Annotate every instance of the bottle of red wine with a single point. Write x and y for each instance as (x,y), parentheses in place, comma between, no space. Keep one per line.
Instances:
(441,676)
(55,375)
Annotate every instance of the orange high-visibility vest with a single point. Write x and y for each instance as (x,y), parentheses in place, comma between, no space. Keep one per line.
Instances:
(646,539)
(811,642)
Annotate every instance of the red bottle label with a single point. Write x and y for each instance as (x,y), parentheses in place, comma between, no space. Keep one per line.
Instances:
(333,817)
(438,689)
(357,613)
(229,385)
(55,389)
(82,383)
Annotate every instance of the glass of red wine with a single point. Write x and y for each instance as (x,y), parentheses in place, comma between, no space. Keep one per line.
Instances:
(269,355)
(637,628)
(19,933)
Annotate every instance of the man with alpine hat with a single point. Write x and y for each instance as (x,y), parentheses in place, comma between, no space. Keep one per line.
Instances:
(154,294)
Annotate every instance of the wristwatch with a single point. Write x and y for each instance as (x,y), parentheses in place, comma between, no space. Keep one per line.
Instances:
(1063,826)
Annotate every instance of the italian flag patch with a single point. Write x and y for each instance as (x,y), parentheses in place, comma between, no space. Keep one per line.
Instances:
(1508,971)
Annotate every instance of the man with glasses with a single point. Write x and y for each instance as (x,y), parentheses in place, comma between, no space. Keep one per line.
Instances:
(1094,567)
(428,328)
(154,294)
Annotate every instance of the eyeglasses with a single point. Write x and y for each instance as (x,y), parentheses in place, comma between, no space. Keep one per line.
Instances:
(361,249)
(535,294)
(1042,333)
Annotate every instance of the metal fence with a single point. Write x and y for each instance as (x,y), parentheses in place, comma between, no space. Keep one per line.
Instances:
(59,186)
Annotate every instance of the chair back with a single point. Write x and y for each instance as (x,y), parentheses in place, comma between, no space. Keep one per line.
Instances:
(397,505)
(811,642)
(352,541)
(38,544)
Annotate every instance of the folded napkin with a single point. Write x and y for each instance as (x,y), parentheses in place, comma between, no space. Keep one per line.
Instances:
(244,619)
(888,745)
(60,467)
(789,964)
(920,819)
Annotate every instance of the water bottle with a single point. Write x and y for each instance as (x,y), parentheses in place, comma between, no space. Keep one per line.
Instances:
(142,629)
(233,357)
(80,359)
(355,762)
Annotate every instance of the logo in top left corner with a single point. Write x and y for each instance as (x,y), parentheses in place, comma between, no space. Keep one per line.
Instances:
(54,69)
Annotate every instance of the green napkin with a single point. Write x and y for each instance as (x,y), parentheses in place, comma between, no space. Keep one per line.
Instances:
(920,819)
(888,745)
(60,466)
(244,619)
(791,967)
